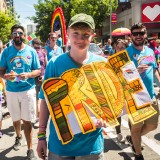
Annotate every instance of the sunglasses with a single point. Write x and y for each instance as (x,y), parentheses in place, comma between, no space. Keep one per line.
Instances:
(37,47)
(53,37)
(19,33)
(138,33)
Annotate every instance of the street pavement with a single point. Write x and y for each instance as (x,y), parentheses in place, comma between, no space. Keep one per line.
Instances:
(112,149)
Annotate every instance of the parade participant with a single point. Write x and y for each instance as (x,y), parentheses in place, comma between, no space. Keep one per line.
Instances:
(144,59)
(83,146)
(119,46)
(52,49)
(19,65)
(59,41)
(36,44)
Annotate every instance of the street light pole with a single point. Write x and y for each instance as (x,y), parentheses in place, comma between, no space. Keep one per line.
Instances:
(110,19)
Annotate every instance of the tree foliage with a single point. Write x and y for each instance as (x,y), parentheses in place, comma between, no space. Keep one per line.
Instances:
(98,9)
(6,22)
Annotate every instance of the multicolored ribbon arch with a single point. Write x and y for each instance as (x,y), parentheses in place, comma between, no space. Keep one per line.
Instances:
(58,19)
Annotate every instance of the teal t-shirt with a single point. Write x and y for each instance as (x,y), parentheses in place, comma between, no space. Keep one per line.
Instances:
(19,61)
(144,57)
(82,144)
(52,53)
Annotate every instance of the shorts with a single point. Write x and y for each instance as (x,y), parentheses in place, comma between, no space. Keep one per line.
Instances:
(22,105)
(52,156)
(152,120)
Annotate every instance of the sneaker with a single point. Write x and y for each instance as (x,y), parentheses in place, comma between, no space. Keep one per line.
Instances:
(36,124)
(120,138)
(1,134)
(17,143)
(139,157)
(129,140)
(30,155)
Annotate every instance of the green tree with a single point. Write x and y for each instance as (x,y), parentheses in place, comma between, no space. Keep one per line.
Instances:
(98,9)
(6,22)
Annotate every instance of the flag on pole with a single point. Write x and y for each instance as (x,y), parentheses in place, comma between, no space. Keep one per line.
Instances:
(31,36)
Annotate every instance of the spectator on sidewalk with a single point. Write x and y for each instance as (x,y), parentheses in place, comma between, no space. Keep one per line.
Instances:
(52,49)
(19,65)
(144,59)
(83,146)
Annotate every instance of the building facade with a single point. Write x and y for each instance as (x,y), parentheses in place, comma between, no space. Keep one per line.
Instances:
(3,5)
(128,13)
(31,28)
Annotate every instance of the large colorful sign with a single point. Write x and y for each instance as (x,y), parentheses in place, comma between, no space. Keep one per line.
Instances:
(151,12)
(97,90)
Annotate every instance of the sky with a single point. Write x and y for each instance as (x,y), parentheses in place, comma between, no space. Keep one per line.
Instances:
(25,9)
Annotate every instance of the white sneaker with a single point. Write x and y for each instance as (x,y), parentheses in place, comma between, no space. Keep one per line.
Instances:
(120,138)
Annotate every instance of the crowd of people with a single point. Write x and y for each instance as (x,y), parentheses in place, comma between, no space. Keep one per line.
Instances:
(23,68)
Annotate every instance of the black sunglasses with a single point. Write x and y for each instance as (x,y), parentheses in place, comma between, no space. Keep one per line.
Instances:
(37,47)
(19,33)
(138,33)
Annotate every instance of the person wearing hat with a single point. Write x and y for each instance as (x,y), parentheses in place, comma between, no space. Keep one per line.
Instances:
(83,146)
(52,49)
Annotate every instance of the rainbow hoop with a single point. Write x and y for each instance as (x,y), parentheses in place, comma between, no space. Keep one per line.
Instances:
(58,19)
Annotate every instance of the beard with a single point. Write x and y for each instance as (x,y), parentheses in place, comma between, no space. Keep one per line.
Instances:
(140,43)
(18,41)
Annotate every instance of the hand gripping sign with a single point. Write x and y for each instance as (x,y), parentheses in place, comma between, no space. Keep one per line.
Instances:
(97,90)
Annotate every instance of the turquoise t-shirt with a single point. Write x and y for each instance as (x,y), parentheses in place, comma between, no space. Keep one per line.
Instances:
(52,53)
(144,57)
(19,61)
(82,144)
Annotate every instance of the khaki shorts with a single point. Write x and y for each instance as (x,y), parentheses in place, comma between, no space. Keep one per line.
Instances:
(152,120)
(22,105)
(52,156)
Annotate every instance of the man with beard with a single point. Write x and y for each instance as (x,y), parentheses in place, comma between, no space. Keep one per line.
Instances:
(144,59)
(19,65)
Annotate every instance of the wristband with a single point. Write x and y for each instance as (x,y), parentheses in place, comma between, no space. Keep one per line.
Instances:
(41,136)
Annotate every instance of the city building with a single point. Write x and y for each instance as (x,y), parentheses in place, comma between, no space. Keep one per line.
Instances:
(31,28)
(7,4)
(132,11)
(3,5)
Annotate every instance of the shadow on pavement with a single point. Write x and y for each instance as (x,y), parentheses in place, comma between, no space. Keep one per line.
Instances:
(5,152)
(9,131)
(157,136)
(109,145)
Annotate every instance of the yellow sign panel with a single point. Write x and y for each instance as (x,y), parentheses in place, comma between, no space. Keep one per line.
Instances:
(96,90)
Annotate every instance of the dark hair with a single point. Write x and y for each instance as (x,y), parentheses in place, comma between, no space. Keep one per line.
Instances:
(52,33)
(138,26)
(16,26)
(36,41)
